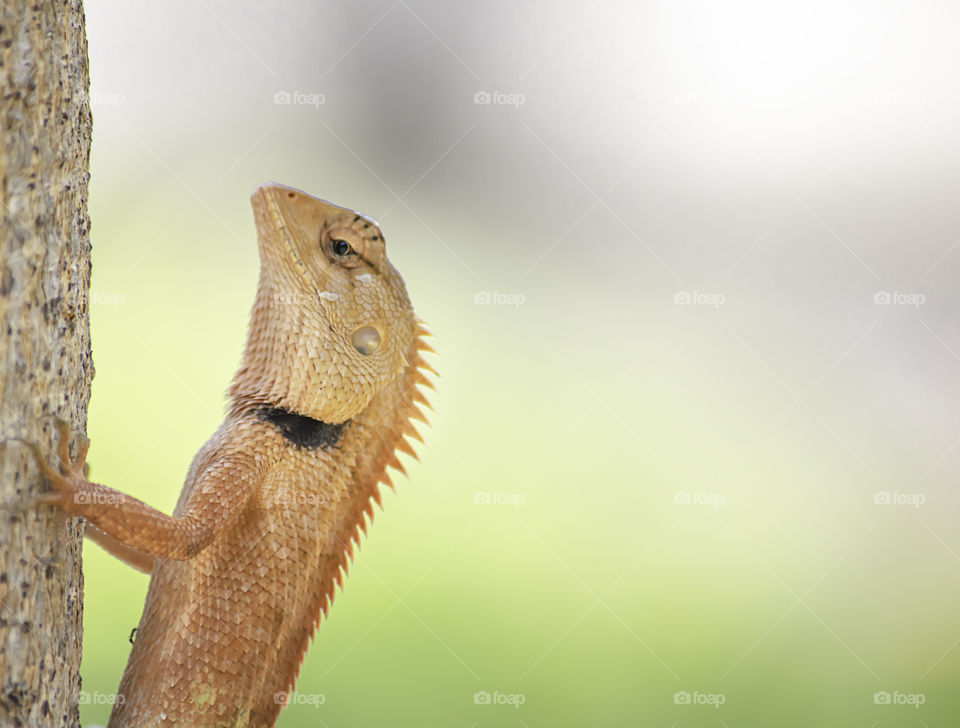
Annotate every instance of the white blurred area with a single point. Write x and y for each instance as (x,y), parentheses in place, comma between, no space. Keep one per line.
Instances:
(797,158)
(796,164)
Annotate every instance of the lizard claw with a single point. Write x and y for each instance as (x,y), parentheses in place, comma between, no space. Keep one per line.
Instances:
(65,480)
(78,465)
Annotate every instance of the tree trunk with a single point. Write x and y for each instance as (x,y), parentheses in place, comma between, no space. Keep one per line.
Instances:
(45,364)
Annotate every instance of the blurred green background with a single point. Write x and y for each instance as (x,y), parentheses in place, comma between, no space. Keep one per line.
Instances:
(712,397)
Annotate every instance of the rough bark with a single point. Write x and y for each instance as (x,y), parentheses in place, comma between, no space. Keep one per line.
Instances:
(45,364)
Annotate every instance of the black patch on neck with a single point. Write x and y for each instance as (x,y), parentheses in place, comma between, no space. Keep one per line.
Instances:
(301,431)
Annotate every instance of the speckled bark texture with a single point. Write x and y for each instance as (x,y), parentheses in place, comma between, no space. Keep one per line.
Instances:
(45,364)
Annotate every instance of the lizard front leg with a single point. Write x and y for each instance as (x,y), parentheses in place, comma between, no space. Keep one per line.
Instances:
(127,522)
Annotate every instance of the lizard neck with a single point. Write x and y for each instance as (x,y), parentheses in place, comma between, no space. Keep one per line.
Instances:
(268,375)
(300,431)
(296,360)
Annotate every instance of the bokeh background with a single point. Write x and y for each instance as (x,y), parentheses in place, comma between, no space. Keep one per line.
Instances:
(692,271)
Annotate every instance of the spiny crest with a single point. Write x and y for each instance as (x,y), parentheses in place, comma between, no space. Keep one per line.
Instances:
(417,366)
(370,492)
(404,428)
(396,434)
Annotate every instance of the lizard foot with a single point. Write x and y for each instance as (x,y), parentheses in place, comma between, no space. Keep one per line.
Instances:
(68,482)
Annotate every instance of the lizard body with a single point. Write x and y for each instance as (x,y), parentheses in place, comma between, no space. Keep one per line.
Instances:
(275,501)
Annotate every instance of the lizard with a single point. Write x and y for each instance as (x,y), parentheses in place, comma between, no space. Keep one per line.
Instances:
(274,503)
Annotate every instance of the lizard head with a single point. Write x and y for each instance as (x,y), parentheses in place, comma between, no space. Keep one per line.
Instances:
(332,324)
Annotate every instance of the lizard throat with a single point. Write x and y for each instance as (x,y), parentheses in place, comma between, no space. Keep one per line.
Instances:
(301,431)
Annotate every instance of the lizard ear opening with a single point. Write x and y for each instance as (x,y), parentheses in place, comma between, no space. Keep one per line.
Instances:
(366,340)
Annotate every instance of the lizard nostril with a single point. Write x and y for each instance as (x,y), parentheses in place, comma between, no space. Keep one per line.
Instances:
(366,340)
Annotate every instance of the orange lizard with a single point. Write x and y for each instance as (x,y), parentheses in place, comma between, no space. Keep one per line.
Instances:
(275,501)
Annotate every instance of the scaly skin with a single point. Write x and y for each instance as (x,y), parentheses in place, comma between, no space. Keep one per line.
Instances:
(274,502)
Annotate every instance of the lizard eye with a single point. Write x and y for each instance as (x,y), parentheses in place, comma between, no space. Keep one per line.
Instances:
(342,247)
